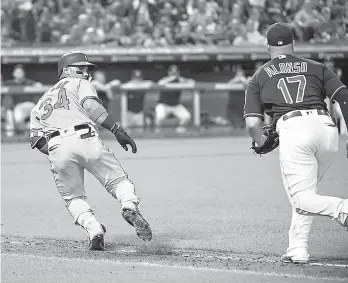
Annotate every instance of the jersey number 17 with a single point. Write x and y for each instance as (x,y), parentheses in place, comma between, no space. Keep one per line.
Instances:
(300,80)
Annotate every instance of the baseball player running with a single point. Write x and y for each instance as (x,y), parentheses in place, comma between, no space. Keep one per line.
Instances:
(292,90)
(63,126)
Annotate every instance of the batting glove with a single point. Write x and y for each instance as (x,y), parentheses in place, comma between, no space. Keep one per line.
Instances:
(123,139)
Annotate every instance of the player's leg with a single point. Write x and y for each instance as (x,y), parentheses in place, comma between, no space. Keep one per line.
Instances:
(106,168)
(311,202)
(7,105)
(305,154)
(183,115)
(21,113)
(69,178)
(299,173)
(161,113)
(139,119)
(297,251)
(136,119)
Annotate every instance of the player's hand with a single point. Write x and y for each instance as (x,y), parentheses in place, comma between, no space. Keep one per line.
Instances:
(123,139)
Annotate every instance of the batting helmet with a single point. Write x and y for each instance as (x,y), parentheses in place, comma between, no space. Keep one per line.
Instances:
(73,59)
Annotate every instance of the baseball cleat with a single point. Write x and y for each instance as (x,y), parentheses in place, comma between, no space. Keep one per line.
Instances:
(97,243)
(293,259)
(134,218)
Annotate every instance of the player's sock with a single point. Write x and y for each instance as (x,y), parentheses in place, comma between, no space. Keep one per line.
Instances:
(92,226)
(124,191)
(343,215)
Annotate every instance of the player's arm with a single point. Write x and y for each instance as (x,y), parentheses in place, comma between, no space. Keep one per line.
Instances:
(37,136)
(336,91)
(100,86)
(253,112)
(342,98)
(92,104)
(166,80)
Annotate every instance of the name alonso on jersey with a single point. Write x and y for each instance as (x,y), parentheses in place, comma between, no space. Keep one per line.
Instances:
(285,68)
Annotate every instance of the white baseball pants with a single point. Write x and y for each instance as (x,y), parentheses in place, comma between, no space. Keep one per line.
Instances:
(307,144)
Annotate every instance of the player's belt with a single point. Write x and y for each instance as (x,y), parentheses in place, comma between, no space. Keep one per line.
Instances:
(76,128)
(300,113)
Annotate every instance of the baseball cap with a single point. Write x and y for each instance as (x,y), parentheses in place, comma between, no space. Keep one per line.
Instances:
(279,34)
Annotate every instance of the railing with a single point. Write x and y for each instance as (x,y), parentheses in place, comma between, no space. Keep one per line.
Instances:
(12,55)
(197,89)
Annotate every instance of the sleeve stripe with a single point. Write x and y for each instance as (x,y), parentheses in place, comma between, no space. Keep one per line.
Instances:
(90,97)
(335,92)
(253,115)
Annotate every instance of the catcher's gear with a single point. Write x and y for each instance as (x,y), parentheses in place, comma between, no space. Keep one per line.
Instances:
(123,139)
(271,141)
(73,59)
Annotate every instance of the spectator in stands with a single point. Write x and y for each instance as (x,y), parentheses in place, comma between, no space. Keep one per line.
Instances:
(242,38)
(275,11)
(168,35)
(44,26)
(123,8)
(341,35)
(22,22)
(78,30)
(169,12)
(292,6)
(169,101)
(260,4)
(140,37)
(238,11)
(199,15)
(136,116)
(6,36)
(253,35)
(93,36)
(184,36)
(88,22)
(117,35)
(157,39)
(200,36)
(327,30)
(104,89)
(307,20)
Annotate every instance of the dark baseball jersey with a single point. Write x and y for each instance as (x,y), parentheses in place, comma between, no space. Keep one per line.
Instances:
(136,101)
(288,83)
(171,98)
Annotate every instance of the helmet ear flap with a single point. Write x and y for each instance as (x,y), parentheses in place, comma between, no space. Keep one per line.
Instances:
(64,72)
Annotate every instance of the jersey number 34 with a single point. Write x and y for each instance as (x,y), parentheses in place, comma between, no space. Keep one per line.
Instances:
(300,80)
(62,102)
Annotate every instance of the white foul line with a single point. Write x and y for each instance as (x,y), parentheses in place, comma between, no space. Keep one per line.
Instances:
(328,264)
(177,266)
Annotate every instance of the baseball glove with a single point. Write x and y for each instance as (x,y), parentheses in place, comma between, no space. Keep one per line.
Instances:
(271,141)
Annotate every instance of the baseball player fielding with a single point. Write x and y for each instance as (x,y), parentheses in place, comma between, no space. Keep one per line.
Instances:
(292,90)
